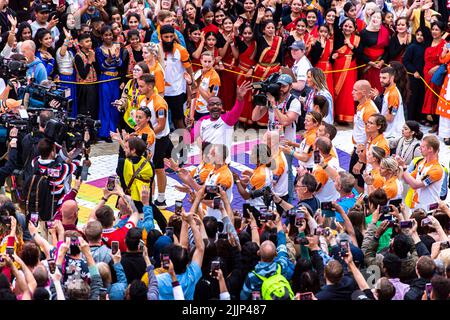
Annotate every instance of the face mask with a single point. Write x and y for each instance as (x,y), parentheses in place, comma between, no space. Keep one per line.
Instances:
(167,46)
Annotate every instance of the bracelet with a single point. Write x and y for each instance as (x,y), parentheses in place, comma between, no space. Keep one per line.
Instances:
(175,283)
(281,200)
(325,166)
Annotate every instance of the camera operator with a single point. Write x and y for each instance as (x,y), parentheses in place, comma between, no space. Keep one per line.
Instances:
(62,167)
(36,69)
(30,142)
(283,114)
(11,164)
(10,80)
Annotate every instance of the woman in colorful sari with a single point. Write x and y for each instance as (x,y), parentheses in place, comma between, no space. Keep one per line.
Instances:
(245,50)
(346,43)
(225,43)
(432,54)
(269,53)
(321,53)
(443,105)
(374,50)
(108,56)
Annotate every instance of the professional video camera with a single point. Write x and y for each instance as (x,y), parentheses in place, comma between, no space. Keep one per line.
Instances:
(39,96)
(71,130)
(13,120)
(10,68)
(269,85)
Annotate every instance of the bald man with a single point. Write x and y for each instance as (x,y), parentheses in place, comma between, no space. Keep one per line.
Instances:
(35,68)
(69,212)
(365,109)
(271,258)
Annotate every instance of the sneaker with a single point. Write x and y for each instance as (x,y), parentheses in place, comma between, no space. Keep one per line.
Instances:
(160,205)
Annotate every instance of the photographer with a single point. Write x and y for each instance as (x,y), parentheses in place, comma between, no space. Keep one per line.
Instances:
(30,142)
(283,112)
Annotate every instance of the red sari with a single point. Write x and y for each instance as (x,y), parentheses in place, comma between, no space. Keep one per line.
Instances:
(267,65)
(325,64)
(374,53)
(432,55)
(246,61)
(343,81)
(227,90)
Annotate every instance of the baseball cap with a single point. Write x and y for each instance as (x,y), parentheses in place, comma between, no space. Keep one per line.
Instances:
(298,45)
(285,79)
(42,8)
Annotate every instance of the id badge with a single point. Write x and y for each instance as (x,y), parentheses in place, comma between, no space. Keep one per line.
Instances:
(54,173)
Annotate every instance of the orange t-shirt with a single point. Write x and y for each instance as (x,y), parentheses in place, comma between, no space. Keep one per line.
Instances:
(202,171)
(158,72)
(391,188)
(378,180)
(379,141)
(150,134)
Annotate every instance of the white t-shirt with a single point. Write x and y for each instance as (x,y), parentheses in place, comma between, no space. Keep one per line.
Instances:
(328,192)
(295,106)
(217,132)
(394,128)
(174,74)
(300,68)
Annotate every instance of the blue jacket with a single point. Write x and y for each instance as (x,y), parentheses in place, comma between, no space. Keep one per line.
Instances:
(267,269)
(155,37)
(38,69)
(116,291)
(147,224)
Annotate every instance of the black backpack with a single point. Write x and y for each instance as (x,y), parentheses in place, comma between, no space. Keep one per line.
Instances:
(38,194)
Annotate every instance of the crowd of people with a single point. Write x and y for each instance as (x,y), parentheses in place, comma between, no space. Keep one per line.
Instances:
(164,75)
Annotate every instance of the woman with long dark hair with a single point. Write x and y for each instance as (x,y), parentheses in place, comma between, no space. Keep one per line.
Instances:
(346,44)
(109,58)
(244,51)
(44,51)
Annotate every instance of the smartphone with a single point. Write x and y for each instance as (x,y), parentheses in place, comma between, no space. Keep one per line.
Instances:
(165,261)
(102,294)
(212,189)
(216,202)
(444,245)
(306,296)
(433,206)
(111,183)
(215,265)
(256,295)
(178,207)
(51,265)
(406,224)
(10,241)
(222,236)
(396,202)
(428,289)
(114,247)
(169,232)
(425,222)
(34,218)
(301,241)
(316,156)
(385,210)
(141,245)
(9,251)
(343,248)
(299,219)
(326,205)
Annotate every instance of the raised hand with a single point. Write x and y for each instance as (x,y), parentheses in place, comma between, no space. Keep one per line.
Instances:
(243,89)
